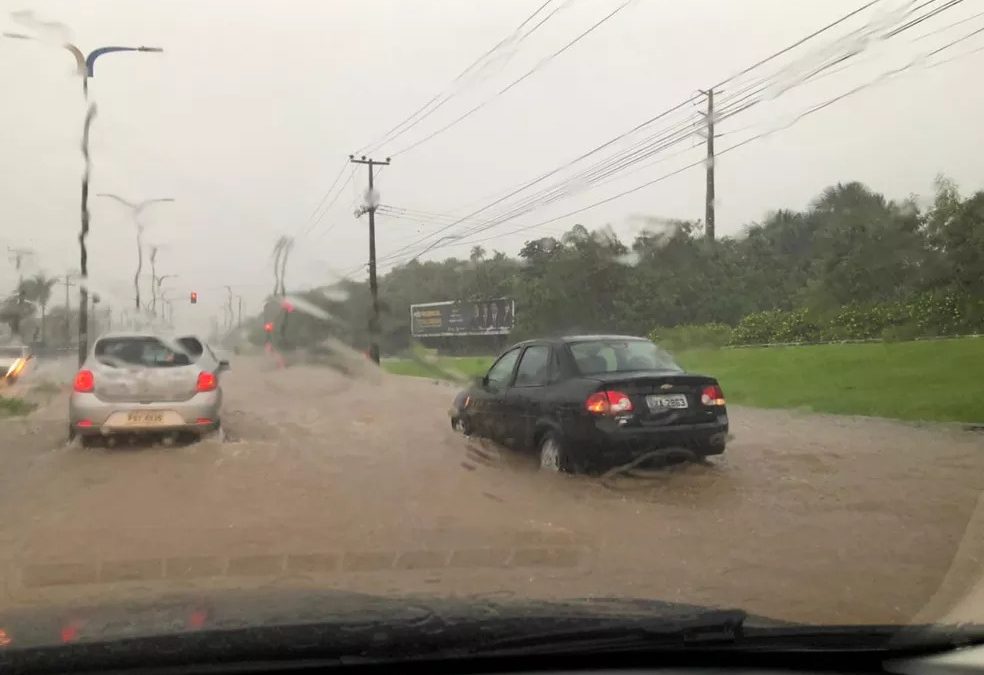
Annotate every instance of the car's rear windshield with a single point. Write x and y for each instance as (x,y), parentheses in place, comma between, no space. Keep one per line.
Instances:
(147,351)
(609,355)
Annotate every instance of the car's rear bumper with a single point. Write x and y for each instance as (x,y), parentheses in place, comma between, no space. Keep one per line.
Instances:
(606,443)
(89,415)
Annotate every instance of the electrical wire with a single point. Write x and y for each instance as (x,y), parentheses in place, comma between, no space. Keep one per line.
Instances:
(605,172)
(449,92)
(806,113)
(543,62)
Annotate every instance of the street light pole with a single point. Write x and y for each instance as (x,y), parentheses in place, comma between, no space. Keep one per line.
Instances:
(157,285)
(136,209)
(85,68)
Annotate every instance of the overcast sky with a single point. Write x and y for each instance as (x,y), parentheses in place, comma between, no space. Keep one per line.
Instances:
(251,111)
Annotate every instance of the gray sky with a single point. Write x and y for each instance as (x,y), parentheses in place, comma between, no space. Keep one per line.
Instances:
(250,113)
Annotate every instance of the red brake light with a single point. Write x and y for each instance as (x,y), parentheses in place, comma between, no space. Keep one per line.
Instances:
(712,395)
(206,381)
(608,403)
(84,381)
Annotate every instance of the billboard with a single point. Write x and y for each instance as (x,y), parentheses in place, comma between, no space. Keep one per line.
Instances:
(478,317)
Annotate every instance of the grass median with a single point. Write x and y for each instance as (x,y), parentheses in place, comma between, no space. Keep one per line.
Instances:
(934,380)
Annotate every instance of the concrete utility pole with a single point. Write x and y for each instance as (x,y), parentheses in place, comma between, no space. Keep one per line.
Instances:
(371,203)
(17,256)
(153,279)
(709,194)
(67,281)
(229,313)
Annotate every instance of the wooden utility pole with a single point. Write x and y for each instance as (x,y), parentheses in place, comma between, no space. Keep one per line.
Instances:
(709,194)
(370,208)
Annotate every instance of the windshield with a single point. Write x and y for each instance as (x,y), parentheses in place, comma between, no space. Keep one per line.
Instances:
(430,309)
(619,356)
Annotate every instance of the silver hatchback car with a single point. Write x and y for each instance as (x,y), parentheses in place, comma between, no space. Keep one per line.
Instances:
(146,383)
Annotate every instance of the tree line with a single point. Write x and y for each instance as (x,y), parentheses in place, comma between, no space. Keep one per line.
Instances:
(853,263)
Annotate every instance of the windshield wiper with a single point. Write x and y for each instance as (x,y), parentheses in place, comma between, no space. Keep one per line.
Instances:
(593,635)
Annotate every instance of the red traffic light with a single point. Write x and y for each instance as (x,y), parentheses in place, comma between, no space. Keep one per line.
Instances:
(194,298)
(268,327)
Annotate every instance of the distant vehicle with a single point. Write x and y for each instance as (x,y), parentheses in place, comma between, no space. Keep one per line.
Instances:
(13,361)
(587,402)
(144,383)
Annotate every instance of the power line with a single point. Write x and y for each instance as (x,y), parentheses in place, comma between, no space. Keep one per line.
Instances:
(663,114)
(448,92)
(610,169)
(512,84)
(740,144)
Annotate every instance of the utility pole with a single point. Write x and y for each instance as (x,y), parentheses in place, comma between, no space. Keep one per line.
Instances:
(17,257)
(67,281)
(153,279)
(229,307)
(240,322)
(370,208)
(709,194)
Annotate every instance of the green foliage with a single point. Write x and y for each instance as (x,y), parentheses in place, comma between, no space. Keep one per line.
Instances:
(928,314)
(692,336)
(926,380)
(854,265)
(12,406)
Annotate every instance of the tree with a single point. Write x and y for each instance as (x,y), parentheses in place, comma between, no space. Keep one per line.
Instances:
(38,289)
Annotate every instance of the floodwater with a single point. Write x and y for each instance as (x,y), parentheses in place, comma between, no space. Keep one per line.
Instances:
(357,482)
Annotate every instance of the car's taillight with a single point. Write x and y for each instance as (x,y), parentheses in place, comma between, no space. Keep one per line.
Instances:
(84,381)
(206,381)
(712,395)
(608,403)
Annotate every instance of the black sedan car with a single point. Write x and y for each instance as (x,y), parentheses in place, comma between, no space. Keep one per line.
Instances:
(590,401)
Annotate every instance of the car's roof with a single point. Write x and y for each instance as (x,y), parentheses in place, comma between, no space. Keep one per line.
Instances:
(146,334)
(586,338)
(567,339)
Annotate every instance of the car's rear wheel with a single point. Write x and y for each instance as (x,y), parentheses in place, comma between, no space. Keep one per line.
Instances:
(553,455)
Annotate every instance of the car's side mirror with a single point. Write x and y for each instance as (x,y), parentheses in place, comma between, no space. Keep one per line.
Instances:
(223,366)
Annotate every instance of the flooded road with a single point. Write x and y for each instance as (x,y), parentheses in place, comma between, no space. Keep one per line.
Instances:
(359,483)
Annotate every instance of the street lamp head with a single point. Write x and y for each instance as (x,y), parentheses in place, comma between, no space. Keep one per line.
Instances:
(156,50)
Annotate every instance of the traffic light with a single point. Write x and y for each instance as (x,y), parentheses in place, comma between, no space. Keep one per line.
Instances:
(194,298)
(268,327)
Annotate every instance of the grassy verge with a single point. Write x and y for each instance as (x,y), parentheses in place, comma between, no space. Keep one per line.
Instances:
(442,367)
(939,380)
(11,407)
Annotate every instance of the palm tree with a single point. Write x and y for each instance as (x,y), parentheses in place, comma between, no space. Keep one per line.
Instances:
(38,289)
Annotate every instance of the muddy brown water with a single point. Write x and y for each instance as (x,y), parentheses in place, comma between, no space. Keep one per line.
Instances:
(358,483)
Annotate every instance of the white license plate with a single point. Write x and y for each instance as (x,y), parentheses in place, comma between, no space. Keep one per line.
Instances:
(666,401)
(144,419)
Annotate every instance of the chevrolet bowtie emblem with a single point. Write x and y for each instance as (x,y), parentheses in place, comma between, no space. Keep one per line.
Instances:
(666,386)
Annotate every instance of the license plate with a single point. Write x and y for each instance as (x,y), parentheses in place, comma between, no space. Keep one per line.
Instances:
(666,401)
(144,418)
